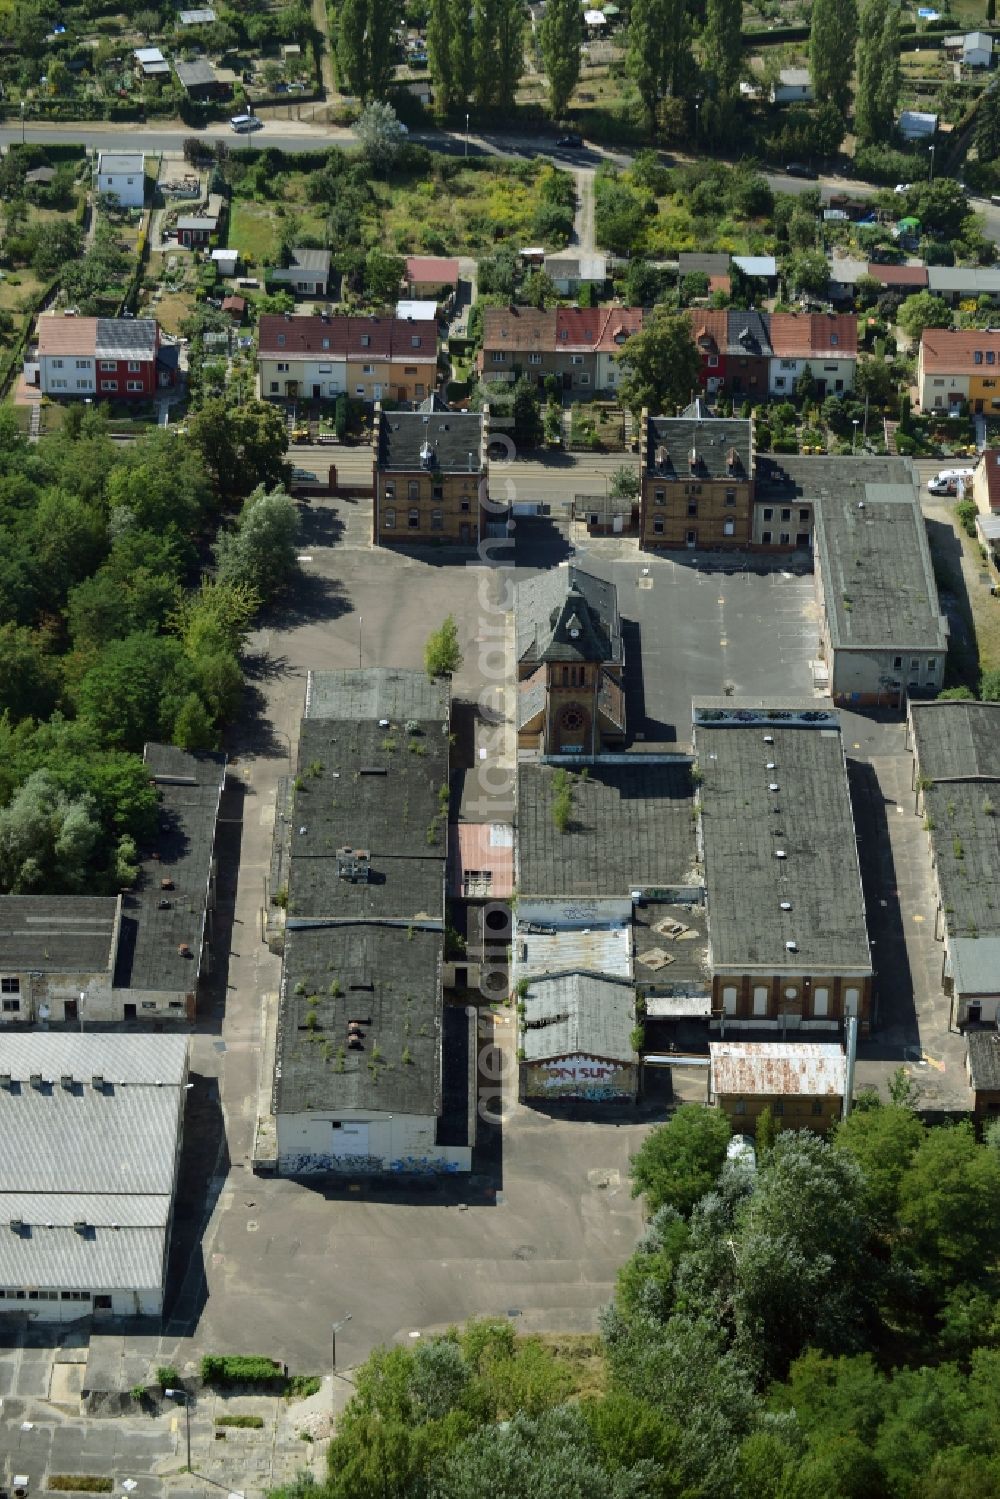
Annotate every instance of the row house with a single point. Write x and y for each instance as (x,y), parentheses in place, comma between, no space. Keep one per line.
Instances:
(580,347)
(368,358)
(956,366)
(107,358)
(697,481)
(826,342)
(430,475)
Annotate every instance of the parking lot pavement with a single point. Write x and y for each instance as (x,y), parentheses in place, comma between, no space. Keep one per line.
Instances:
(692,633)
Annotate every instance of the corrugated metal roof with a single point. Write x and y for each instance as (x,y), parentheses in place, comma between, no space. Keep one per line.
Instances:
(121,1058)
(119,1140)
(595,950)
(772,1068)
(99,1209)
(579,1013)
(105,1259)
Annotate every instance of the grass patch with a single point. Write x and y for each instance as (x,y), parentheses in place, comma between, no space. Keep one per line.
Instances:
(233,1369)
(254,1422)
(80,1483)
(583,1354)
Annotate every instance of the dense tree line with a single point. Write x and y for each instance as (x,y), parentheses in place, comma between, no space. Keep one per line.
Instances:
(822,1326)
(121,622)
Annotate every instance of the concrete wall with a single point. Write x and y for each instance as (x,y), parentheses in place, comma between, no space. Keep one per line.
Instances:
(50,1306)
(364,1143)
(594,1079)
(858,676)
(54,990)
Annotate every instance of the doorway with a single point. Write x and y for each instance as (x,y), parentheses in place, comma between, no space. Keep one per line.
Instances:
(974,1014)
(129,1012)
(71,1009)
(317,392)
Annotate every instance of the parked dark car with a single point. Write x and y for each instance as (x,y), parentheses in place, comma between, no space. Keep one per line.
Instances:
(573,141)
(799,169)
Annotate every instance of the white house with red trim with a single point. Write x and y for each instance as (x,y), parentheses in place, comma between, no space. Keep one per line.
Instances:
(105,358)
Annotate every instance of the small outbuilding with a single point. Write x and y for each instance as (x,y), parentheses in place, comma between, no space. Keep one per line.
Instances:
(982,1064)
(801,1082)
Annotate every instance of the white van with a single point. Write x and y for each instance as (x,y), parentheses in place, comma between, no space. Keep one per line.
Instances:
(951,480)
(242,124)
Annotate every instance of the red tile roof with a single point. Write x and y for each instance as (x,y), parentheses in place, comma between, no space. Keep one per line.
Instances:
(567,329)
(709,329)
(899,275)
(521,329)
(353,337)
(619,324)
(432,268)
(66,335)
(809,335)
(954,353)
(578,327)
(989,467)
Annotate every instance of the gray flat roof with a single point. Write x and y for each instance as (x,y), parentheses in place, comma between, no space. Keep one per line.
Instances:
(872,551)
(578,1014)
(744,826)
(454,436)
(954,740)
(630,826)
(965,835)
(361,786)
(975,965)
(120,162)
(974,278)
(387,978)
(198,71)
(53,933)
(158,921)
(984,1060)
(392,692)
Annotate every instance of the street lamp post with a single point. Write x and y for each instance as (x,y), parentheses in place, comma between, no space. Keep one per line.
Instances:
(931,150)
(854,435)
(334,1329)
(466,132)
(22,122)
(360,638)
(184,1399)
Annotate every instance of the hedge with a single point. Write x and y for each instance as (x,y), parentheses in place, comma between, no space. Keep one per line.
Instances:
(235,1369)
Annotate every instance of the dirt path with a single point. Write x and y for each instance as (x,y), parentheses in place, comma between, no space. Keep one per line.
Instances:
(583,222)
(321,21)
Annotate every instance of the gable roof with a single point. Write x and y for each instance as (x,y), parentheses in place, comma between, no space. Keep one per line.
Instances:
(455,439)
(709,329)
(954,351)
(432,268)
(747,333)
(578,1013)
(281,335)
(101,338)
(897,275)
(566,614)
(712,263)
(520,329)
(957,741)
(568,330)
(194,73)
(722,447)
(805,335)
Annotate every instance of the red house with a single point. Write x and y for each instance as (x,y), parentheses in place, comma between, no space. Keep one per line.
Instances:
(710,330)
(107,358)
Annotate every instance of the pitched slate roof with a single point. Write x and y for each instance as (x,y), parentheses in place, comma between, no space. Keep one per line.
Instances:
(454,437)
(747,333)
(723,447)
(567,614)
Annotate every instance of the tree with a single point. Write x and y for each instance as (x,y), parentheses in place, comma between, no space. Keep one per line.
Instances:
(560,36)
(949,1205)
(659,364)
(497,52)
(658,58)
(352,61)
(134,690)
(442,652)
(383,273)
(380,135)
(988,126)
(46,838)
(527,415)
(873,379)
(810,272)
(883,1140)
(832,39)
(448,52)
(193,726)
(878,73)
(679,1161)
(722,41)
(693,285)
(241,447)
(624,482)
(29,676)
(923,310)
(989,685)
(260,552)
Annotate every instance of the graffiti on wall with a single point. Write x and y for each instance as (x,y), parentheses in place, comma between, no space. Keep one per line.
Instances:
(306,1163)
(580,1077)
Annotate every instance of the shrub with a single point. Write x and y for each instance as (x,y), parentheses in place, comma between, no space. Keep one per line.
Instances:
(80,1483)
(223,1370)
(966,512)
(167,1376)
(252,1421)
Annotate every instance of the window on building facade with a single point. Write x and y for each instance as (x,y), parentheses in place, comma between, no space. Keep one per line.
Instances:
(134,385)
(413,489)
(500,356)
(10,985)
(437,491)
(658,525)
(785,538)
(765,538)
(786,515)
(740,1106)
(274,387)
(134,366)
(413,520)
(109,384)
(660,496)
(437,520)
(730,497)
(729,528)
(692,507)
(389,520)
(534,358)
(769,515)
(108,364)
(10,1006)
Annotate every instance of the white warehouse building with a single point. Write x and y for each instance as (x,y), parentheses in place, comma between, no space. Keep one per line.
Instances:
(90,1137)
